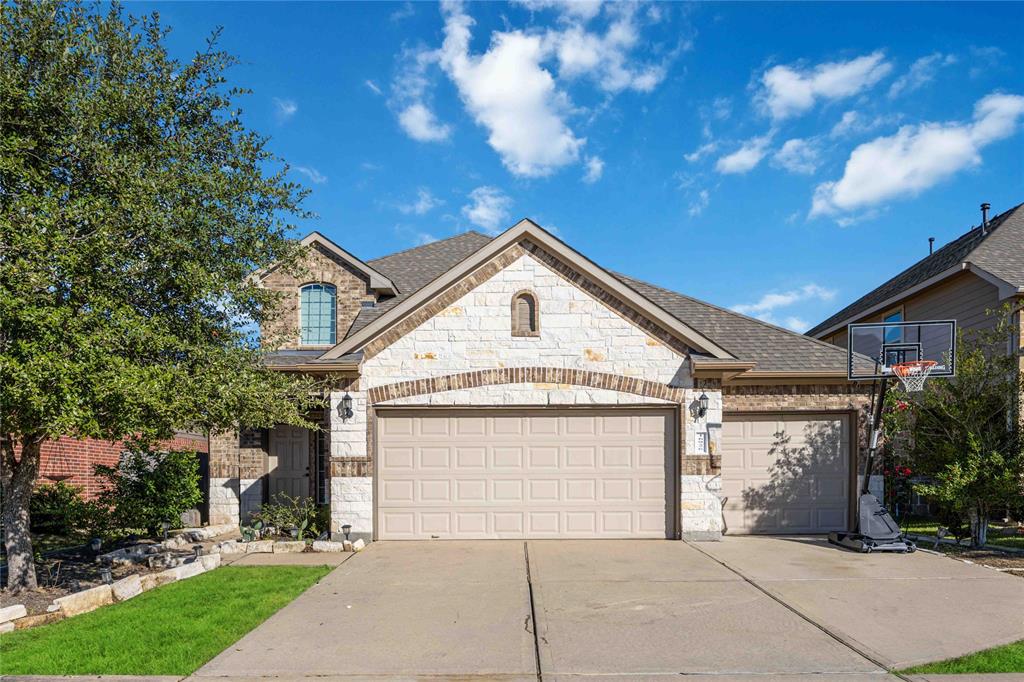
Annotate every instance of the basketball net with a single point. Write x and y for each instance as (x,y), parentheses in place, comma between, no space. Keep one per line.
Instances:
(913,374)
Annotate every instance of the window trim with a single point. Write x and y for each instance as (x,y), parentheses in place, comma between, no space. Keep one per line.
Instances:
(298,311)
(898,310)
(516,331)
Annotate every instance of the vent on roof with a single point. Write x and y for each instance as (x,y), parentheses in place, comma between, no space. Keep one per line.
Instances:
(984,217)
(931,245)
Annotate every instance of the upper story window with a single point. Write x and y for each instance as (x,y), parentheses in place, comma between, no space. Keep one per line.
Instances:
(525,314)
(894,334)
(317,315)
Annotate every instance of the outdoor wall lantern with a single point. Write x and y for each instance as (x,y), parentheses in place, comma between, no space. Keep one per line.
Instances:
(702,403)
(345,407)
(346,529)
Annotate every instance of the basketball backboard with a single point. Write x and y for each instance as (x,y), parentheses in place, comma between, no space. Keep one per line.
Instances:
(874,347)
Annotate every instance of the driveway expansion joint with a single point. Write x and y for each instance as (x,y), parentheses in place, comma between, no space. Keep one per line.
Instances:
(883,668)
(533,612)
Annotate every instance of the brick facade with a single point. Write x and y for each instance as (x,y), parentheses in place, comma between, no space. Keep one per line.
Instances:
(78,458)
(319,266)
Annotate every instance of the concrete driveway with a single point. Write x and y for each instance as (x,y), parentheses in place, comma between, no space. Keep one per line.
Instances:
(744,608)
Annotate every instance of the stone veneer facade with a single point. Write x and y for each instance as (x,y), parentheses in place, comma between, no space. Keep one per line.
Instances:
(319,266)
(459,350)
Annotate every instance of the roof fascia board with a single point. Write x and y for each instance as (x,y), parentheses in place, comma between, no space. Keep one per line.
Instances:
(1006,290)
(527,228)
(892,300)
(378,281)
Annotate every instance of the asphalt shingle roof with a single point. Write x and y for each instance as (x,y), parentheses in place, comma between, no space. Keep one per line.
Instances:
(1000,252)
(748,339)
(774,349)
(413,269)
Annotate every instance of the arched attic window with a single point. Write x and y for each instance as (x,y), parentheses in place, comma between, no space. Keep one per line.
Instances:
(525,314)
(317,315)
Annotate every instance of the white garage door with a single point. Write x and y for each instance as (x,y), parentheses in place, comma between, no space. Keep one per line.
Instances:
(785,473)
(547,473)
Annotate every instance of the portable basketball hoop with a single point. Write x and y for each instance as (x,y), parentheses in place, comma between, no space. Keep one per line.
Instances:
(913,374)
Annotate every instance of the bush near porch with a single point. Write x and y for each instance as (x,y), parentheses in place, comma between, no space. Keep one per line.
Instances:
(171,630)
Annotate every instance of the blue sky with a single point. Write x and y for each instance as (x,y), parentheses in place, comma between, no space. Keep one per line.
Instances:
(778,159)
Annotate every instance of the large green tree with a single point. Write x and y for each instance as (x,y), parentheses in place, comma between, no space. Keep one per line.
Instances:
(135,204)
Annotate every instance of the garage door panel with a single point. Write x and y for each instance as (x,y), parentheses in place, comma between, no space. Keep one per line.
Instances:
(553,474)
(785,473)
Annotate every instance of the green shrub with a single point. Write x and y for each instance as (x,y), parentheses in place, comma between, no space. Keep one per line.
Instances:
(60,509)
(286,512)
(148,487)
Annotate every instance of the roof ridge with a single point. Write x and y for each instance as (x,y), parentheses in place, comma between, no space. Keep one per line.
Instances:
(993,224)
(823,344)
(436,241)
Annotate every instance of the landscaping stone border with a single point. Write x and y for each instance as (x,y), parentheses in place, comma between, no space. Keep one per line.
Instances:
(15,617)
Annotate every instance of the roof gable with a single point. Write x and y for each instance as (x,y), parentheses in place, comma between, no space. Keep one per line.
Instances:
(996,254)
(377,281)
(528,230)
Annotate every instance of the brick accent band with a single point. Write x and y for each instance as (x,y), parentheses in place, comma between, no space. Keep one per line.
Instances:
(526,375)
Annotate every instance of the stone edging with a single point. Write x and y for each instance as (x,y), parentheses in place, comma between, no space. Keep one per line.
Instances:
(16,617)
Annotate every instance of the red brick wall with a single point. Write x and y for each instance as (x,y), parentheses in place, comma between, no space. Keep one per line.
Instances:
(80,457)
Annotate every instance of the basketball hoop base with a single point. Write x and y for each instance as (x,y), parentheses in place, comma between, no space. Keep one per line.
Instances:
(866,545)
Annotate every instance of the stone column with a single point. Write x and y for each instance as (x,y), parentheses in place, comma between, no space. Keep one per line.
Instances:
(351,467)
(701,481)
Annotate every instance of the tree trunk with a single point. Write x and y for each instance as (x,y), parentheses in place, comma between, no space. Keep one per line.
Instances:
(17,481)
(979,527)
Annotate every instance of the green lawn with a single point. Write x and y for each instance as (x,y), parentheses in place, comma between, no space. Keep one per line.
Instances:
(1001,659)
(171,630)
(928,527)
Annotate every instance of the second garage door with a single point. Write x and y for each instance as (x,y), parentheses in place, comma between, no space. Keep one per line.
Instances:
(546,473)
(785,473)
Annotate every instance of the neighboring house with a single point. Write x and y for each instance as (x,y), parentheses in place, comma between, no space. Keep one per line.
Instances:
(975,273)
(509,387)
(73,461)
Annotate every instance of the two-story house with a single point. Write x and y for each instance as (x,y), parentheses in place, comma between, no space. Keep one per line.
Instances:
(978,272)
(510,387)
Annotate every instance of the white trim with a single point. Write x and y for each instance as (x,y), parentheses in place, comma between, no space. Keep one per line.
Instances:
(528,229)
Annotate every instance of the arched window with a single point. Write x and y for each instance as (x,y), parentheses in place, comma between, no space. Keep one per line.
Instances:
(317,317)
(525,315)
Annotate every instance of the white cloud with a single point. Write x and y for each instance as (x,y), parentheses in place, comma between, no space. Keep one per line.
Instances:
(422,125)
(488,208)
(797,156)
(423,204)
(985,60)
(508,92)
(917,157)
(746,157)
(766,307)
(403,12)
(921,72)
(797,324)
(315,176)
(698,205)
(854,122)
(513,88)
(581,10)
(373,87)
(595,168)
(284,109)
(605,58)
(701,151)
(788,91)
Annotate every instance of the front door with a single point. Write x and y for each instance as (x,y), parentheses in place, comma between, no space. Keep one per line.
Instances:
(288,465)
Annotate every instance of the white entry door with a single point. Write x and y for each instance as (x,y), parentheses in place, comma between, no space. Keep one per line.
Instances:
(541,473)
(288,465)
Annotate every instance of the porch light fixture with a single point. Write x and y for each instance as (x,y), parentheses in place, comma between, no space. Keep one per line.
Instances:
(702,403)
(345,407)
